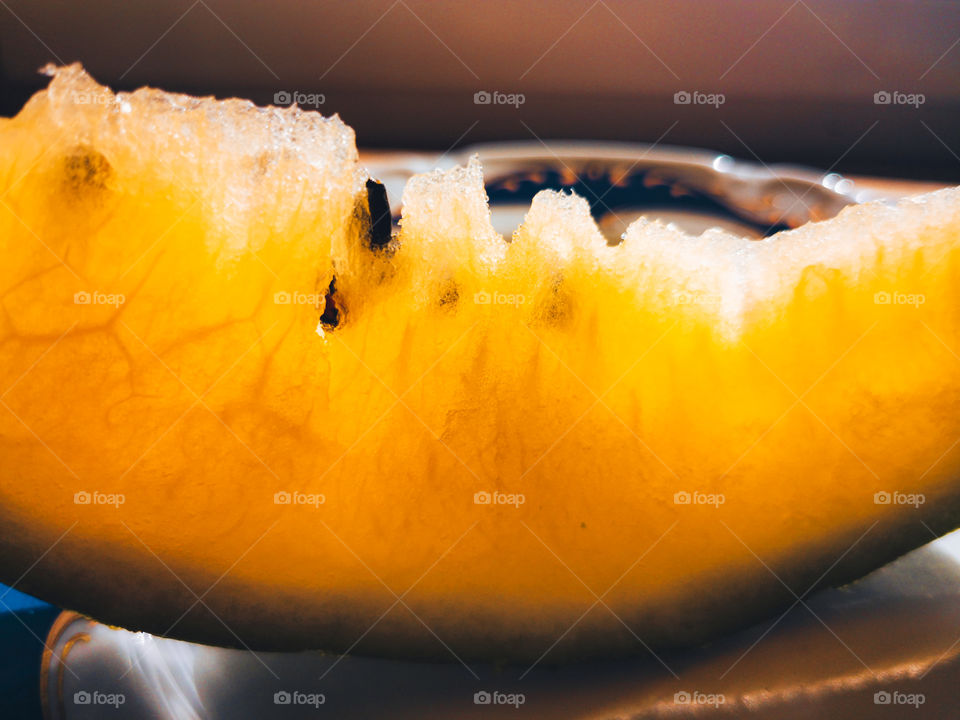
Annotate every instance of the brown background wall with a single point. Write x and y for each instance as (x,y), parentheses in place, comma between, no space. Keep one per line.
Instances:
(798,76)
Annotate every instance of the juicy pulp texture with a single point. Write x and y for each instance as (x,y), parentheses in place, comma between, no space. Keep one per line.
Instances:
(300,479)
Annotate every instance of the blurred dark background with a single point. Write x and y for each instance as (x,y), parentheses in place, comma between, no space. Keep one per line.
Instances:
(798,78)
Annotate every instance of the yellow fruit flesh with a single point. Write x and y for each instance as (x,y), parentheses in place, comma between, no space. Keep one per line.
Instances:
(597,382)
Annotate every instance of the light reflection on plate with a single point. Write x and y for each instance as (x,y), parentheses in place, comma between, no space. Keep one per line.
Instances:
(893,634)
(696,189)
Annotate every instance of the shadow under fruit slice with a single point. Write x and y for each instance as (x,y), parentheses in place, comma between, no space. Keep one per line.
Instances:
(228,415)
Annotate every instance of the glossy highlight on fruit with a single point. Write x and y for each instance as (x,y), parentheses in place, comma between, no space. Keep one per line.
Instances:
(234,412)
